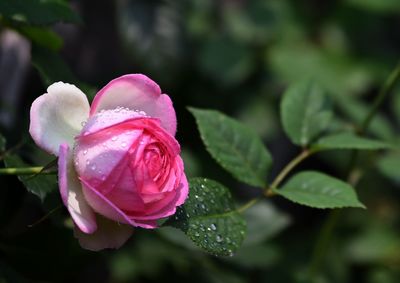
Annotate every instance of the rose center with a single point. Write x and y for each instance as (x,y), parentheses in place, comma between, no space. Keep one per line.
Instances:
(153,158)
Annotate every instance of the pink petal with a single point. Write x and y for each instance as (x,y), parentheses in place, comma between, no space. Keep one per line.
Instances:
(105,207)
(71,193)
(100,159)
(168,208)
(184,190)
(57,116)
(109,235)
(137,92)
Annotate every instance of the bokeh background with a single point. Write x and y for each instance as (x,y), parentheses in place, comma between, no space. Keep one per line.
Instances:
(237,56)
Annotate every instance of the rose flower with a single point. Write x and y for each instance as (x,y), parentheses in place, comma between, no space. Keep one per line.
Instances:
(119,165)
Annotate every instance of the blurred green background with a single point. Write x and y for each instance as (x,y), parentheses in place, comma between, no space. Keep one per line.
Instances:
(237,56)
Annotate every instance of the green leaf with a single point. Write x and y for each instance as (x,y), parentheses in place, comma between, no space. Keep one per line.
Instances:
(42,36)
(389,166)
(376,244)
(356,110)
(257,256)
(348,141)
(378,6)
(305,112)
(39,185)
(225,60)
(396,105)
(52,68)
(37,12)
(234,146)
(318,190)
(209,218)
(330,67)
(264,221)
(2,143)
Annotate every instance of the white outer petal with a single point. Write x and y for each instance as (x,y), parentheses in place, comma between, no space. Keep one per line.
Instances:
(56,117)
(72,195)
(109,235)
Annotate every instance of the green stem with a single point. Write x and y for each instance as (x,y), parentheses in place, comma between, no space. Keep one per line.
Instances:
(287,169)
(326,233)
(25,171)
(323,241)
(248,204)
(387,87)
(45,216)
(279,178)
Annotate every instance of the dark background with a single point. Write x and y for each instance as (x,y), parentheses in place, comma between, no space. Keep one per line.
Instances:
(237,57)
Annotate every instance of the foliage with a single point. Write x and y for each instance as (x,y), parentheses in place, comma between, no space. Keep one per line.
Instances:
(292,84)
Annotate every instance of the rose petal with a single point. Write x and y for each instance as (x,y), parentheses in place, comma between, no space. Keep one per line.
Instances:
(184,190)
(57,115)
(169,204)
(105,207)
(109,235)
(106,119)
(71,193)
(137,92)
(100,160)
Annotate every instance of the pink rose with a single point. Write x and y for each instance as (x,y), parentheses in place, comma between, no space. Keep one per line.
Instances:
(118,161)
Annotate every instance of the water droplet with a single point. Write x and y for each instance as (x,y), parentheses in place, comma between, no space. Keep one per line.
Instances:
(123,144)
(197,234)
(85,152)
(83,123)
(93,167)
(114,138)
(213,227)
(219,238)
(87,162)
(202,206)
(103,177)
